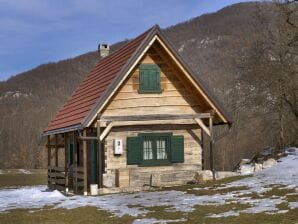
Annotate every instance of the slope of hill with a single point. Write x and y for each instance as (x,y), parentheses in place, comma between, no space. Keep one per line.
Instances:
(246,53)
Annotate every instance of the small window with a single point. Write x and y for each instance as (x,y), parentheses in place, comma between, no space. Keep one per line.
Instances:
(153,149)
(149,78)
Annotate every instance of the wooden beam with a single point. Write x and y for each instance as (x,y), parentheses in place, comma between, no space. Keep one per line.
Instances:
(56,150)
(106,131)
(211,147)
(54,146)
(100,151)
(49,150)
(66,161)
(85,162)
(105,119)
(140,123)
(202,125)
(75,163)
(202,147)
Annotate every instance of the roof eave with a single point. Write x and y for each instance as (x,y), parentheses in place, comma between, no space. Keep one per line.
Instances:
(63,130)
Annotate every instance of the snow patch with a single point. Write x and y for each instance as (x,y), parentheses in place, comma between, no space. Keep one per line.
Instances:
(159,221)
(24,171)
(283,174)
(224,214)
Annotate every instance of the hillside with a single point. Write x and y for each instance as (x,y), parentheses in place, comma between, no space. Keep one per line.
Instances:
(246,53)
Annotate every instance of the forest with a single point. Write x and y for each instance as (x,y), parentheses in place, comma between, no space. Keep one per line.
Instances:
(247,54)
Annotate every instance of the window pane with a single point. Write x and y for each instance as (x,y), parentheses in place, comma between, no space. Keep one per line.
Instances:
(147,150)
(161,149)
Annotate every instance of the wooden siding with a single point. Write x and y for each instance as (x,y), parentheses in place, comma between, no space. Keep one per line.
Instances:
(192,149)
(174,99)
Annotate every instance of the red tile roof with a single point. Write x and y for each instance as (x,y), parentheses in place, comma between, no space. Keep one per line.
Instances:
(84,103)
(91,89)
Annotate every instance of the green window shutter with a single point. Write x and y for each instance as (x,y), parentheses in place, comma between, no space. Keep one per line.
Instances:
(177,149)
(70,154)
(149,78)
(133,150)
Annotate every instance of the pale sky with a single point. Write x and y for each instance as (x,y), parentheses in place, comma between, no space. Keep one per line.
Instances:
(33,32)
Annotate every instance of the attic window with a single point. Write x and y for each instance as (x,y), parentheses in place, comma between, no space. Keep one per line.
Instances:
(149,78)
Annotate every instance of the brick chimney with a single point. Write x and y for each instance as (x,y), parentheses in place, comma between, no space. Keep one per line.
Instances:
(103,49)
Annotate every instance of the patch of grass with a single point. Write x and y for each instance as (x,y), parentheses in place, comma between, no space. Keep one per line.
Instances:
(20,179)
(277,192)
(164,212)
(292,198)
(63,216)
(214,190)
(201,211)
(199,216)
(213,184)
(252,195)
(283,206)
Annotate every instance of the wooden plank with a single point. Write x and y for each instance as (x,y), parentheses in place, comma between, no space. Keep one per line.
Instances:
(145,122)
(80,183)
(56,169)
(79,176)
(203,152)
(152,102)
(75,160)
(54,146)
(134,95)
(49,150)
(100,152)
(85,162)
(202,125)
(155,117)
(66,160)
(59,181)
(54,175)
(154,122)
(177,109)
(79,169)
(56,149)
(58,187)
(165,86)
(106,131)
(211,147)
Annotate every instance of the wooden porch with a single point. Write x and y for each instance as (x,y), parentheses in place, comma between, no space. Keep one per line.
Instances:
(74,173)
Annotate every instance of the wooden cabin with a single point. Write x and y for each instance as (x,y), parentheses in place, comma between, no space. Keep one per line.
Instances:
(136,121)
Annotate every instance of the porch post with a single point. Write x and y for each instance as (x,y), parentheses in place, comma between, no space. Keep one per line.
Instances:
(49,150)
(100,161)
(56,150)
(202,146)
(211,146)
(75,164)
(85,163)
(66,161)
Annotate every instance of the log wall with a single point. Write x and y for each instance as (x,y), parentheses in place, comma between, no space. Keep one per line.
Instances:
(176,98)
(170,174)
